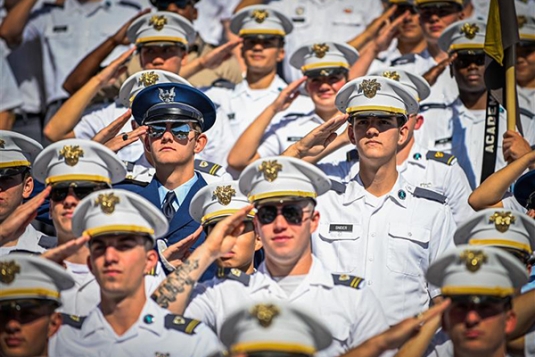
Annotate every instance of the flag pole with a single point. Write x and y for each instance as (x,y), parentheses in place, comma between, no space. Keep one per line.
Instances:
(510,94)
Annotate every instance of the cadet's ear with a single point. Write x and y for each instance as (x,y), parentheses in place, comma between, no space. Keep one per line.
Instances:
(200,143)
(54,324)
(28,186)
(351,134)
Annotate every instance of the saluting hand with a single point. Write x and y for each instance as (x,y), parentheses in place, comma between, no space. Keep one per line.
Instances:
(176,253)
(287,95)
(119,38)
(435,71)
(65,250)
(219,55)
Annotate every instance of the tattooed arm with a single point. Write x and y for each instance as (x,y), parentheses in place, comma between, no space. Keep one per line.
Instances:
(173,293)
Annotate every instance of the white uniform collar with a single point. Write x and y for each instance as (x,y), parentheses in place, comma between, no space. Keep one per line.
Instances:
(243,87)
(398,193)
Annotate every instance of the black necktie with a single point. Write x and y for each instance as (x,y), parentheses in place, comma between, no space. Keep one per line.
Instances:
(167,206)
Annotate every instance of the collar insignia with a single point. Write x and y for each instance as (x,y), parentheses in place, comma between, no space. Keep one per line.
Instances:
(369,87)
(107,202)
(265,313)
(502,220)
(320,49)
(158,22)
(8,271)
(224,194)
(473,259)
(71,154)
(148,79)
(270,169)
(469,30)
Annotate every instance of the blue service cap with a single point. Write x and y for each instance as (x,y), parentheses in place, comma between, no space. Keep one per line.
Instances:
(524,190)
(173,102)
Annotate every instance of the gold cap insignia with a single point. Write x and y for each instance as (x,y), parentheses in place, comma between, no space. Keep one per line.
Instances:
(148,79)
(260,15)
(320,49)
(71,154)
(521,21)
(469,30)
(502,220)
(392,75)
(158,22)
(8,271)
(270,169)
(369,87)
(473,259)
(2,143)
(265,313)
(224,194)
(179,320)
(107,202)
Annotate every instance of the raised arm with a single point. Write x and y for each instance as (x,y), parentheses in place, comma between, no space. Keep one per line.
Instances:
(372,30)
(12,27)
(211,60)
(90,65)
(245,150)
(63,122)
(491,191)
(173,293)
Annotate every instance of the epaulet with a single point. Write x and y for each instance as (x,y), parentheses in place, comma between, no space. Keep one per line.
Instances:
(527,113)
(430,195)
(440,157)
(427,106)
(130,4)
(337,186)
(47,242)
(352,281)
(294,115)
(207,167)
(408,58)
(152,272)
(181,323)
(352,155)
(233,274)
(223,83)
(73,320)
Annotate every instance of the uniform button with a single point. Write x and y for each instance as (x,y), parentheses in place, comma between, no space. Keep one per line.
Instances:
(369,282)
(410,234)
(370,259)
(373,234)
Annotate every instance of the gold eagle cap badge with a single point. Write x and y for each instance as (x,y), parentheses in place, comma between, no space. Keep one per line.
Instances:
(158,22)
(469,30)
(502,220)
(8,270)
(265,313)
(320,49)
(260,15)
(270,169)
(369,87)
(473,259)
(392,75)
(71,154)
(2,143)
(224,194)
(107,202)
(148,79)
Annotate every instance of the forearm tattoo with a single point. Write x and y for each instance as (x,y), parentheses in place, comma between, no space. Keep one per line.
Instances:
(176,283)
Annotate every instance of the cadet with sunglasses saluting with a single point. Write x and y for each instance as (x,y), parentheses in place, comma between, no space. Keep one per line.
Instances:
(284,192)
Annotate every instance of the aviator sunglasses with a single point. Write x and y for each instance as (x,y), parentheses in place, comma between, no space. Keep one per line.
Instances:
(292,213)
(59,193)
(180,131)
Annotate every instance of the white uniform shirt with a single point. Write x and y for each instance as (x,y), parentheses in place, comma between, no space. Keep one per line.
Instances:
(237,109)
(85,294)
(510,203)
(292,128)
(69,32)
(95,337)
(391,245)
(32,241)
(10,96)
(211,15)
(337,21)
(352,315)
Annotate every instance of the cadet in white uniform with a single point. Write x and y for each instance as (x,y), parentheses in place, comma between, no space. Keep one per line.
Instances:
(30,288)
(17,153)
(75,168)
(122,227)
(263,31)
(379,226)
(481,282)
(284,192)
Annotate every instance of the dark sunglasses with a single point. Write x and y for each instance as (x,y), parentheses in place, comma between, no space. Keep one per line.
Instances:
(292,213)
(58,194)
(25,311)
(465,60)
(13,171)
(401,8)
(180,131)
(248,227)
(427,12)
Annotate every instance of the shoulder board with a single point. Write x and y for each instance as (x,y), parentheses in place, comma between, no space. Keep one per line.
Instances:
(130,4)
(47,242)
(223,83)
(233,274)
(181,323)
(352,281)
(440,157)
(428,106)
(294,115)
(430,195)
(152,272)
(73,320)
(408,58)
(207,167)
(352,155)
(337,186)
(527,112)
